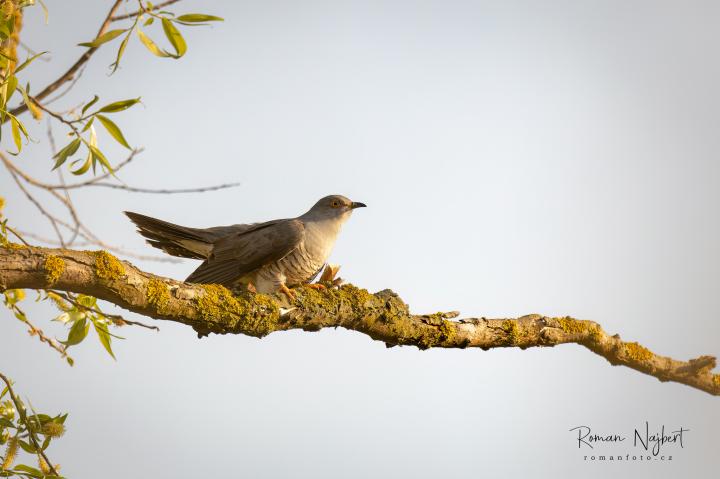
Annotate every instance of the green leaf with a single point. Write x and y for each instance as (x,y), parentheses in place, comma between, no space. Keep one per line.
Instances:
(87,301)
(104,337)
(151,45)
(27,469)
(174,37)
(29,448)
(88,125)
(104,38)
(67,151)
(90,103)
(77,333)
(149,21)
(16,133)
(99,156)
(120,52)
(20,124)
(11,86)
(83,169)
(32,106)
(118,106)
(28,62)
(198,18)
(43,418)
(114,130)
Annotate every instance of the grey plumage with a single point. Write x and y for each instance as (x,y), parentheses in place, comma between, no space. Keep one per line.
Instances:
(269,255)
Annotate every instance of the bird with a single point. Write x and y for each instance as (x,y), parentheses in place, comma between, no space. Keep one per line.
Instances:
(264,257)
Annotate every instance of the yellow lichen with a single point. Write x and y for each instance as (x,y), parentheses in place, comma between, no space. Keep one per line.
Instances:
(330,300)
(426,334)
(716,380)
(2,203)
(54,268)
(158,294)
(448,330)
(108,266)
(571,325)
(512,330)
(637,352)
(15,246)
(595,333)
(253,314)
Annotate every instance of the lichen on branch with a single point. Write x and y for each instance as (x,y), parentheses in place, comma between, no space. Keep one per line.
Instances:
(383,316)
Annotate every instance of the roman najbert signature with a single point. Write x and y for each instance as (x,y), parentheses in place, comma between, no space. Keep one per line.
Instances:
(643,437)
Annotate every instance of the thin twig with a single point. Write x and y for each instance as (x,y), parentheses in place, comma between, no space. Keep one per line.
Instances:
(97,181)
(32,52)
(17,235)
(114,249)
(138,12)
(68,201)
(68,88)
(53,220)
(115,317)
(35,331)
(163,191)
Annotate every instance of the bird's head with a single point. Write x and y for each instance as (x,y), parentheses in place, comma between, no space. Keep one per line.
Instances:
(334,207)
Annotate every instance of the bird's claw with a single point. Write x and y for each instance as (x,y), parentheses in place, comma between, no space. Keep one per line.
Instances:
(316,286)
(288,292)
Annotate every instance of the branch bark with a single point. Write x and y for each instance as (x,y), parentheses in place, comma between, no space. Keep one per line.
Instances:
(383,316)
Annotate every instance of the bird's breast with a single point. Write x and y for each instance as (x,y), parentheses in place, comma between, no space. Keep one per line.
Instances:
(303,263)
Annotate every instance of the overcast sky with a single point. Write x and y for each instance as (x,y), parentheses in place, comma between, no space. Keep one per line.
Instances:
(553,157)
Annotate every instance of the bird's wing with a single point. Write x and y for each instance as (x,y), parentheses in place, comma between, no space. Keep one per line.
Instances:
(241,253)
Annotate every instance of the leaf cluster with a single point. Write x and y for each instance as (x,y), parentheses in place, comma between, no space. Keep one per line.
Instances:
(147,16)
(83,133)
(23,429)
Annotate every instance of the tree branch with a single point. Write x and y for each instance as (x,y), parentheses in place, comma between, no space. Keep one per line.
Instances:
(382,316)
(70,73)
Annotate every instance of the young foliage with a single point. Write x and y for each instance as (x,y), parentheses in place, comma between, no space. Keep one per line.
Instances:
(146,17)
(24,430)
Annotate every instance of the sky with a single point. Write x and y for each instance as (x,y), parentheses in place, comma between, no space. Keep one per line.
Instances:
(516,157)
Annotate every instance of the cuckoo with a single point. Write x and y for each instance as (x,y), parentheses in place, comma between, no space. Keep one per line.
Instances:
(267,257)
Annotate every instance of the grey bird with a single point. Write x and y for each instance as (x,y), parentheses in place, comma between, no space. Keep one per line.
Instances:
(268,257)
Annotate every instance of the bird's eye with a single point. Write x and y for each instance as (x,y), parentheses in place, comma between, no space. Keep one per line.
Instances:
(335,204)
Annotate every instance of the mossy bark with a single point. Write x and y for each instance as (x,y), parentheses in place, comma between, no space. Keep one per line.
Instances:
(382,316)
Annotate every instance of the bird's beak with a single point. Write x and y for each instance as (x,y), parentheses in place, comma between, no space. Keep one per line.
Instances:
(356,204)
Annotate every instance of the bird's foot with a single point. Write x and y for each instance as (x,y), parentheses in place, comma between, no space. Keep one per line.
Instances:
(316,286)
(288,292)
(251,287)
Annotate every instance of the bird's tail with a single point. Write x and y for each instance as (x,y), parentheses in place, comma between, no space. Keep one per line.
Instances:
(174,239)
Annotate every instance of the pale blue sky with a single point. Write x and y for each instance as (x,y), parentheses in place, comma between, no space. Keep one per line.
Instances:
(557,157)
